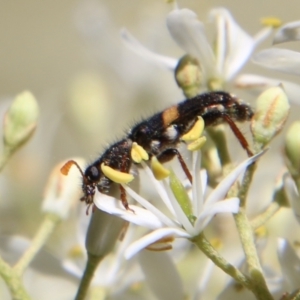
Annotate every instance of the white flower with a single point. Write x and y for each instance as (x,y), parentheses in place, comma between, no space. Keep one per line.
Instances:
(178,225)
(219,62)
(290,265)
(282,60)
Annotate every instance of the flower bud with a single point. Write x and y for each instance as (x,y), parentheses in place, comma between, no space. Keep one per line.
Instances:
(271,113)
(20,120)
(103,231)
(62,192)
(188,76)
(292,148)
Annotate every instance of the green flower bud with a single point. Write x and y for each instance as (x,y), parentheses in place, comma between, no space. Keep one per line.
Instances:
(20,120)
(271,113)
(188,76)
(292,148)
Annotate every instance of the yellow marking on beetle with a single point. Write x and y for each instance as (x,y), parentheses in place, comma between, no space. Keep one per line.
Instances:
(195,132)
(169,115)
(197,144)
(159,171)
(116,176)
(138,153)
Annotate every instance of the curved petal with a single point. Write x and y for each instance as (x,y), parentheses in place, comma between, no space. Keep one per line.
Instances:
(282,60)
(188,33)
(230,205)
(222,188)
(239,45)
(139,216)
(288,32)
(134,45)
(260,83)
(293,196)
(290,264)
(151,238)
(161,275)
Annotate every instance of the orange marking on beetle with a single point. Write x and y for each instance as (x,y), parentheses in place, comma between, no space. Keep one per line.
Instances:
(169,115)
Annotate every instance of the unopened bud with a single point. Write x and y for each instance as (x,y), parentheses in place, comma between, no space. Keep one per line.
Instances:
(271,113)
(188,76)
(62,192)
(103,231)
(20,120)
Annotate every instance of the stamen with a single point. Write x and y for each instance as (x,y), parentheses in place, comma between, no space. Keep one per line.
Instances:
(116,176)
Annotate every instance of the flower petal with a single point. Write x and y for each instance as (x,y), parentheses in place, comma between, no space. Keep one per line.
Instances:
(288,32)
(221,190)
(140,216)
(133,44)
(188,33)
(239,44)
(152,237)
(290,264)
(293,196)
(282,60)
(230,205)
(161,275)
(260,83)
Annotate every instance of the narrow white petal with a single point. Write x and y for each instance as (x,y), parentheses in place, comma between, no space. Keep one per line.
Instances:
(161,275)
(230,205)
(282,60)
(164,219)
(260,83)
(239,46)
(221,190)
(152,237)
(140,216)
(293,196)
(188,33)
(262,35)
(197,187)
(180,215)
(290,264)
(134,45)
(288,32)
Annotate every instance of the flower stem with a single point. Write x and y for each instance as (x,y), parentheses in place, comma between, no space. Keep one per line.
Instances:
(13,282)
(38,241)
(247,239)
(266,215)
(5,156)
(204,245)
(91,265)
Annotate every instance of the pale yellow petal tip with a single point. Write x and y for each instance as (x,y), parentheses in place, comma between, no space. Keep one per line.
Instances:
(271,22)
(197,144)
(116,176)
(138,153)
(195,132)
(159,171)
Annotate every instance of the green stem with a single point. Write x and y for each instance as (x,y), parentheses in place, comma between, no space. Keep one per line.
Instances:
(265,216)
(204,245)
(91,265)
(13,282)
(217,134)
(5,156)
(38,241)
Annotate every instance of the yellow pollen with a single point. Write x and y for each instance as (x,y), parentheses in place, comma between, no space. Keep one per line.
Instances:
(197,144)
(159,171)
(271,22)
(116,176)
(138,153)
(195,132)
